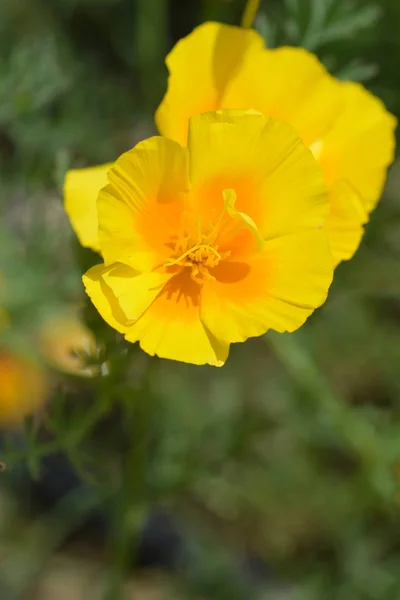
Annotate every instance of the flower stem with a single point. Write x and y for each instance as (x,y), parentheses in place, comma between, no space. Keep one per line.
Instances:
(249,13)
(131,503)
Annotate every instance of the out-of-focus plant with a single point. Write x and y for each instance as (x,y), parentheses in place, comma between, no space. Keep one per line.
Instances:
(23,388)
(289,451)
(321,26)
(66,344)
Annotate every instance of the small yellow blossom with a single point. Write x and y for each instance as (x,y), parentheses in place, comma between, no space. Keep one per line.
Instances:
(214,243)
(67,345)
(23,388)
(347,128)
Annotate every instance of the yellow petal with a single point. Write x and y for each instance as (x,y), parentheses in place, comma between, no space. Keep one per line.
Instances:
(103,298)
(200,66)
(346,220)
(360,146)
(289,84)
(171,327)
(220,66)
(277,180)
(134,291)
(349,130)
(121,294)
(278,289)
(81,189)
(141,207)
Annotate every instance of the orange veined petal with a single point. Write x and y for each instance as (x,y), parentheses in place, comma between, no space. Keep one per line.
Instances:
(275,177)
(278,289)
(81,189)
(200,67)
(140,210)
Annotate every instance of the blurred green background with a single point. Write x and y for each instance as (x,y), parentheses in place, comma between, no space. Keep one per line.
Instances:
(281,471)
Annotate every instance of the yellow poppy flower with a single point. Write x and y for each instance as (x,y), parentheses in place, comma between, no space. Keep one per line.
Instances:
(347,128)
(213,243)
(23,388)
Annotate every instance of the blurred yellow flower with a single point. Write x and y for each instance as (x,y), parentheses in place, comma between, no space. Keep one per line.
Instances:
(23,388)
(67,345)
(347,128)
(214,243)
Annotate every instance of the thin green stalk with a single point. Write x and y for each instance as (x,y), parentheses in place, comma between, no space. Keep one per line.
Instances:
(151,44)
(132,501)
(13,457)
(249,13)
(89,420)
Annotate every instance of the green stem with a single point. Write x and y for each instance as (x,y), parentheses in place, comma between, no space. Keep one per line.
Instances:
(88,421)
(249,13)
(132,501)
(13,457)
(150,39)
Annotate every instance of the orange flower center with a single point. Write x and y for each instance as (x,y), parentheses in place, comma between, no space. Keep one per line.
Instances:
(199,252)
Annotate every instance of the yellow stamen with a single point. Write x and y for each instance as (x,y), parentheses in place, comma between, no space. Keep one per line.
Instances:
(193,251)
(215,229)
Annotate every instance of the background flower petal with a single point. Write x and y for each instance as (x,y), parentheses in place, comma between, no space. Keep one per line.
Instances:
(81,189)
(345,225)
(360,146)
(200,67)
(289,84)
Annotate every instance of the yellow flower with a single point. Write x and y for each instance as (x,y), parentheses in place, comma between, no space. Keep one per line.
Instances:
(213,243)
(347,128)
(67,344)
(23,388)
(221,66)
